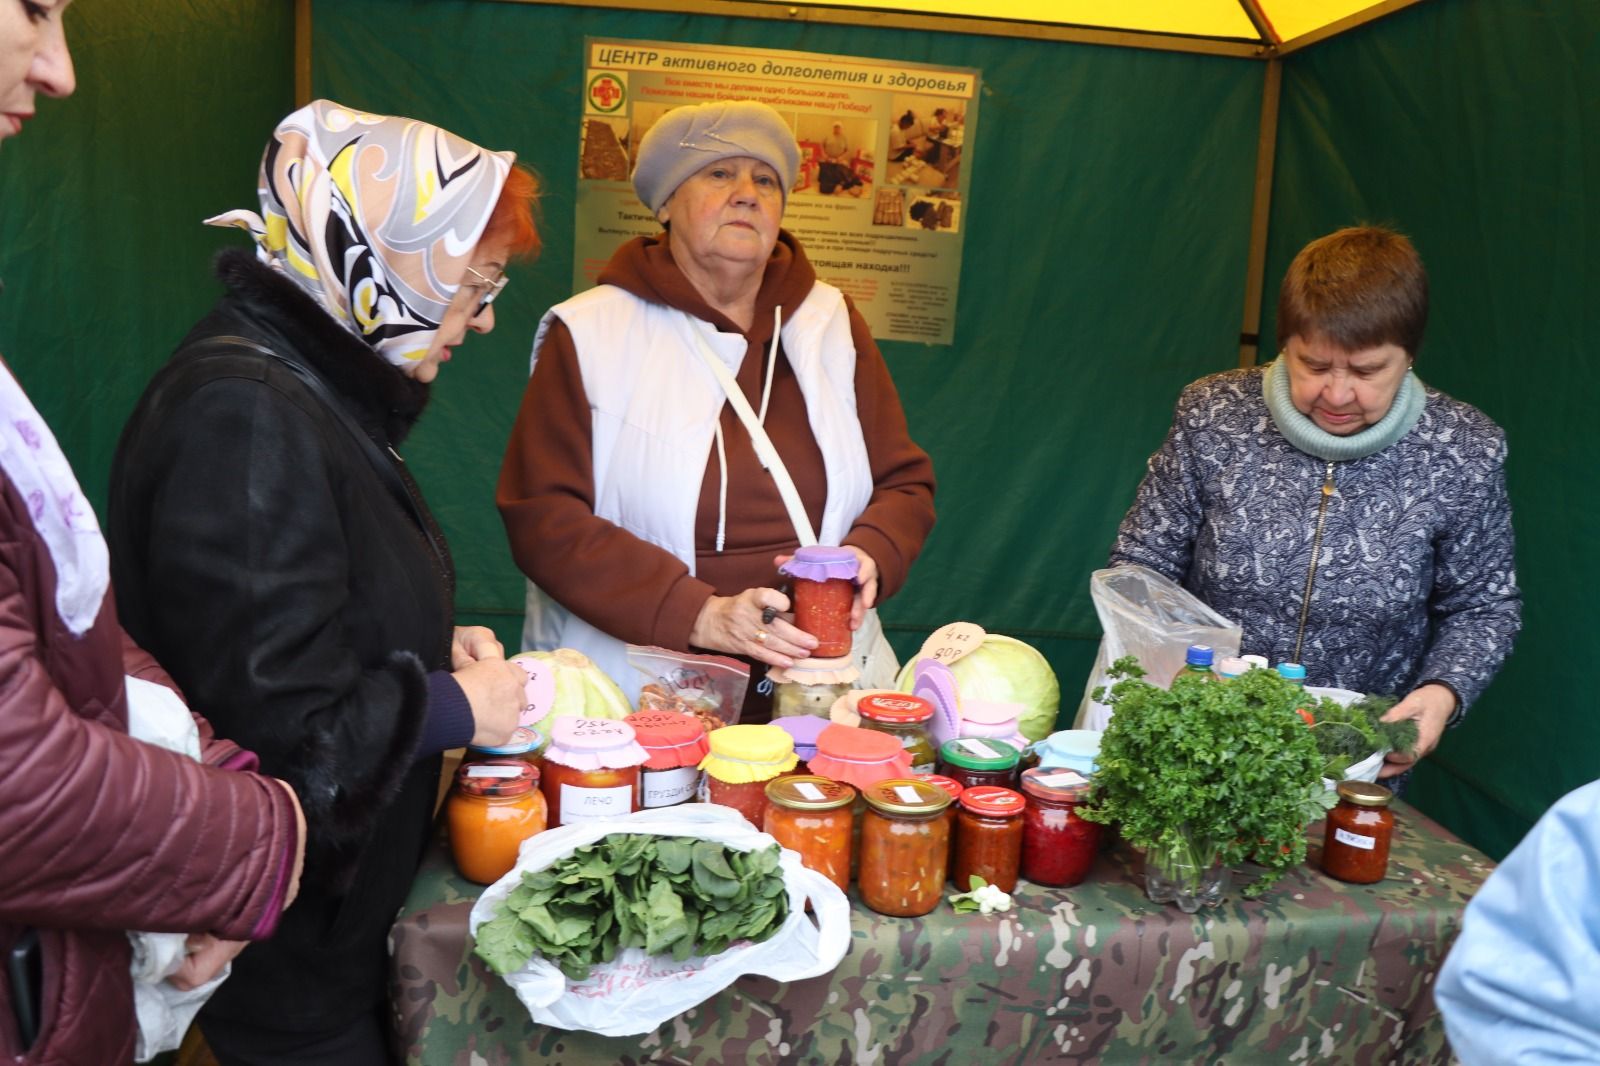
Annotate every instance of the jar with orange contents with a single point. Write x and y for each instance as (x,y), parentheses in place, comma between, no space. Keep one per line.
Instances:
(988,837)
(1356,845)
(493,808)
(811,815)
(591,770)
(824,593)
(954,788)
(905,847)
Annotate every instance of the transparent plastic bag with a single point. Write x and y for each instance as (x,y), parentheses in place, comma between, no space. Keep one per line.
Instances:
(710,687)
(1154,619)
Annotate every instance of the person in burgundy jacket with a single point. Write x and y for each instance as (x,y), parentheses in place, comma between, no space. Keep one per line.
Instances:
(99,833)
(631,490)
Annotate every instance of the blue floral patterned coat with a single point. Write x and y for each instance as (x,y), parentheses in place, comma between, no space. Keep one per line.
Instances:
(1415,578)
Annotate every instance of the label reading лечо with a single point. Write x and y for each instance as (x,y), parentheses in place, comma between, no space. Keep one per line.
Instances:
(907,794)
(980,749)
(494,771)
(579,804)
(810,791)
(1355,840)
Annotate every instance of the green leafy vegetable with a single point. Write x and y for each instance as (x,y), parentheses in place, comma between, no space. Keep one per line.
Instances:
(1347,735)
(662,894)
(1225,765)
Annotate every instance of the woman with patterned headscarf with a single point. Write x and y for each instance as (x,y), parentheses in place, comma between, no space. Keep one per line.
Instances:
(272,550)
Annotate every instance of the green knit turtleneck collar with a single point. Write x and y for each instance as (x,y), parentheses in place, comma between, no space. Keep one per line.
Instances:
(1312,439)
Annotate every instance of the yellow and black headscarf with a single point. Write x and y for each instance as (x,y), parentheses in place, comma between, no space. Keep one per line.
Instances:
(375,216)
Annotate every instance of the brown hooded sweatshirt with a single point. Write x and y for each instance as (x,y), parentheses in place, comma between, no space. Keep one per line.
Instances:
(640,593)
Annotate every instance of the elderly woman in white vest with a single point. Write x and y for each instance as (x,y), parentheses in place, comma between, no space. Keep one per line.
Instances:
(632,491)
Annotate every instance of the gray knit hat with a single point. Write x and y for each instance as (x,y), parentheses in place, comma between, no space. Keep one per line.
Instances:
(688,138)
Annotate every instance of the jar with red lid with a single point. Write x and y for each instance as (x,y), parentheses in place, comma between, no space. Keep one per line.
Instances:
(1355,847)
(591,770)
(824,586)
(674,744)
(905,847)
(1058,847)
(904,717)
(988,837)
(813,816)
(741,760)
(954,788)
(493,808)
(974,762)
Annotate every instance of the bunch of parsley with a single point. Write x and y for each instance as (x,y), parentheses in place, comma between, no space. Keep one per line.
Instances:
(667,895)
(1215,767)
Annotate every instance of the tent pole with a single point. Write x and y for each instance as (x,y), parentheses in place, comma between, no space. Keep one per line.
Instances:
(302,53)
(1260,214)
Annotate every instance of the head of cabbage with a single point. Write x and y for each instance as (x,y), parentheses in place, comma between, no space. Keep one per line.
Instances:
(582,689)
(1004,669)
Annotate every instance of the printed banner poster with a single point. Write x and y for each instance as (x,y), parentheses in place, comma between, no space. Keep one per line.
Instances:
(880,200)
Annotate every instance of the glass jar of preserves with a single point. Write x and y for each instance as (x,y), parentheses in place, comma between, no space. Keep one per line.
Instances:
(988,837)
(1356,845)
(953,787)
(993,720)
(824,589)
(905,718)
(674,744)
(591,770)
(743,758)
(1058,847)
(905,847)
(493,808)
(812,815)
(979,762)
(811,686)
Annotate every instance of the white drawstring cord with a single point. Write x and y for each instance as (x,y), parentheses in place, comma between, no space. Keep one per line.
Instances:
(722,488)
(772,361)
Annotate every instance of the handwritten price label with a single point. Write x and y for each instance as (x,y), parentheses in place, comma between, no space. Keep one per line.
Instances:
(949,643)
(539,693)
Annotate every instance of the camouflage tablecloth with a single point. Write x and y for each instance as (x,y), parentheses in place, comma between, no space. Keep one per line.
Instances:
(1315,971)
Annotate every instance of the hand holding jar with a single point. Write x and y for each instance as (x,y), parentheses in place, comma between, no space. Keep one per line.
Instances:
(833,587)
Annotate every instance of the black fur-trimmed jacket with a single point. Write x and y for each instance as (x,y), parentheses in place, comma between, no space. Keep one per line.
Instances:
(267,562)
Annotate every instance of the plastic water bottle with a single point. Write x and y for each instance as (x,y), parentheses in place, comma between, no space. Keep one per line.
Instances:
(1232,667)
(1197,662)
(1255,662)
(1293,672)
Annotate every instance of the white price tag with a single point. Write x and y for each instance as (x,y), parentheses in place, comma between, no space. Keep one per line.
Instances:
(809,791)
(663,788)
(579,804)
(1355,840)
(907,794)
(1062,779)
(494,771)
(950,642)
(980,749)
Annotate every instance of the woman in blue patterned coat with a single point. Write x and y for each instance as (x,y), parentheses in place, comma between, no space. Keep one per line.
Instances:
(1342,513)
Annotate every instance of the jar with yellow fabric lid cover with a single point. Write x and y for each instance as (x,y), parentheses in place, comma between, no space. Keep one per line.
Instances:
(743,759)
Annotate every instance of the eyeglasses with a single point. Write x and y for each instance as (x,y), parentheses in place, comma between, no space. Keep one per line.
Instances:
(491,286)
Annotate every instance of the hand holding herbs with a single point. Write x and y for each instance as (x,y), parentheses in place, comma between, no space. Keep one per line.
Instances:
(1224,768)
(1346,735)
(666,895)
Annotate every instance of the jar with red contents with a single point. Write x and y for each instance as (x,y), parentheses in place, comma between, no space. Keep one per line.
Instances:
(591,770)
(988,840)
(742,759)
(1356,845)
(674,743)
(952,786)
(824,586)
(976,762)
(1058,847)
(904,717)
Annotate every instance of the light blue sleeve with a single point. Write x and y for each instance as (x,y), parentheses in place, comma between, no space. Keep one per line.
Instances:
(1522,983)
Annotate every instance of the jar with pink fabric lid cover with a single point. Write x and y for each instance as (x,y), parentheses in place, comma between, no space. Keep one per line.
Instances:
(591,770)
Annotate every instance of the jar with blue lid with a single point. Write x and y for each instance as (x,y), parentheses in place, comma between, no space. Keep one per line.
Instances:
(526,743)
